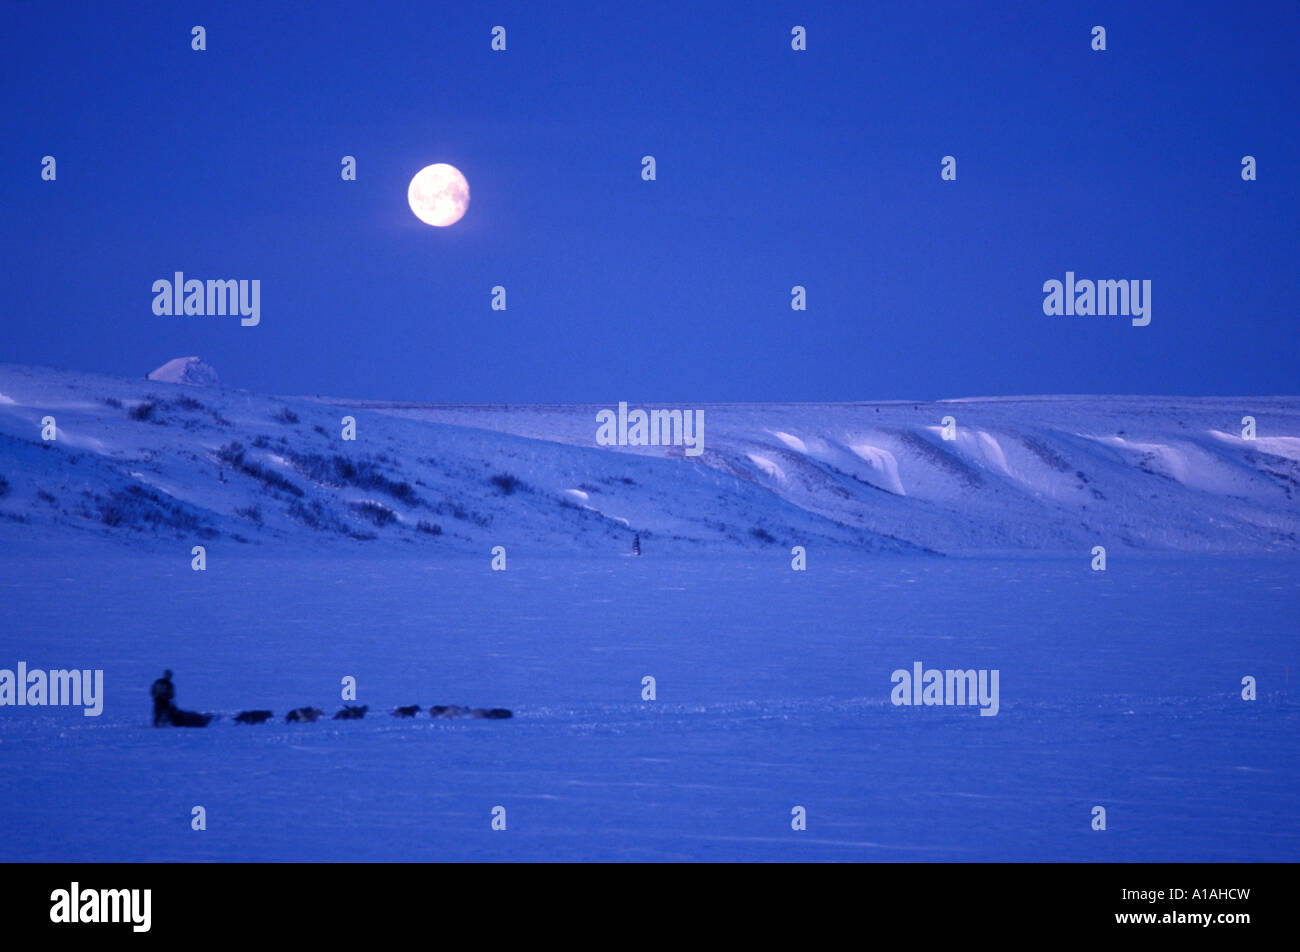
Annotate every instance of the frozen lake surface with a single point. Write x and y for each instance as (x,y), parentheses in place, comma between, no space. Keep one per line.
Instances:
(1119,689)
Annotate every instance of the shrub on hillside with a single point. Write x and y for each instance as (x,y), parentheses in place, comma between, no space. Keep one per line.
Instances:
(508,483)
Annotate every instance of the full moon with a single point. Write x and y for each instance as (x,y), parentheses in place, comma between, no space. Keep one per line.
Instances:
(438,195)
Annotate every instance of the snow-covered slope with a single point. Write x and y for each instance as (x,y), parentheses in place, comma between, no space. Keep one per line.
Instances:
(143,460)
(1032,473)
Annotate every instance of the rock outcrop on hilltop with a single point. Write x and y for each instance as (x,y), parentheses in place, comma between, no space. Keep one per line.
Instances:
(186,370)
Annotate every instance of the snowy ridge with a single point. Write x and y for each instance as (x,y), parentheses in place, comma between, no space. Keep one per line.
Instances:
(146,460)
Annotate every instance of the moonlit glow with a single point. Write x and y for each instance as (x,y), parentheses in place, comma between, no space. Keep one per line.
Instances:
(438,195)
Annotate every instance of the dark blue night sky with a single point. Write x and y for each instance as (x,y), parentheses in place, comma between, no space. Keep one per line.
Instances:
(775,168)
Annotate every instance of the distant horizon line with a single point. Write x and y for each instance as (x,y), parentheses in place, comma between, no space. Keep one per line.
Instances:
(395,402)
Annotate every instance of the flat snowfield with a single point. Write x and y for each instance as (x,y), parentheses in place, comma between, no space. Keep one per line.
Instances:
(1119,689)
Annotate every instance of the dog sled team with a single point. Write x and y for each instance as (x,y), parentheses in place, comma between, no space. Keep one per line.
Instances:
(167,714)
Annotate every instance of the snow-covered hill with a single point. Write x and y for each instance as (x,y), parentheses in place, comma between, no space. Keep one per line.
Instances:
(143,460)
